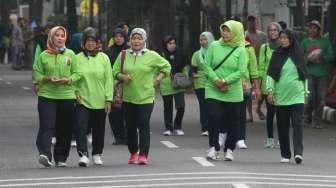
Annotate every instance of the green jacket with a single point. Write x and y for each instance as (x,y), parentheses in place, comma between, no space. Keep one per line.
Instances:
(321,68)
(231,71)
(166,86)
(252,65)
(96,84)
(201,71)
(60,66)
(264,60)
(289,89)
(142,68)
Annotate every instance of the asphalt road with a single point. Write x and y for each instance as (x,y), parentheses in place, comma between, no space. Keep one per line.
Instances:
(174,161)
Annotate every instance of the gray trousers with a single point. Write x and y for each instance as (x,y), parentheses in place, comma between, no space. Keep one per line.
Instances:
(318,89)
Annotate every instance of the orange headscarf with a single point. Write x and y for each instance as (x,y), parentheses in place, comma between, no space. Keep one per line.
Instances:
(51,47)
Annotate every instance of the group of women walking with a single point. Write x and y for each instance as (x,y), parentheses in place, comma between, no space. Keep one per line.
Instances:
(77,90)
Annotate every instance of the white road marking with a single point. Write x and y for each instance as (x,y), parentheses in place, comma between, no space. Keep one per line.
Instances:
(0,79)
(203,161)
(25,88)
(169,144)
(170,174)
(239,185)
(8,83)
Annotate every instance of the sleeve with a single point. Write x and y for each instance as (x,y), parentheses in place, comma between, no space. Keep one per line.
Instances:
(38,70)
(108,80)
(253,65)
(116,67)
(75,69)
(242,66)
(37,53)
(270,84)
(208,60)
(194,63)
(306,90)
(328,55)
(162,65)
(262,60)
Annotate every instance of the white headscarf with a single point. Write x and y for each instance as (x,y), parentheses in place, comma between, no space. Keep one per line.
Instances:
(142,33)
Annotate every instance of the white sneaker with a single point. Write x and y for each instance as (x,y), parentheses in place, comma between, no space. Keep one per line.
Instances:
(53,140)
(179,132)
(212,154)
(284,160)
(84,161)
(205,133)
(269,143)
(221,139)
(61,164)
(167,133)
(228,155)
(73,143)
(89,138)
(298,159)
(241,144)
(43,160)
(97,160)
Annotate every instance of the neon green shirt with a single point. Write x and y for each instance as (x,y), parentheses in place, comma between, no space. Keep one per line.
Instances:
(60,66)
(200,81)
(96,84)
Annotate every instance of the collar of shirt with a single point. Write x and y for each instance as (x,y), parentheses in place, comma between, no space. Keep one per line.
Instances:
(139,53)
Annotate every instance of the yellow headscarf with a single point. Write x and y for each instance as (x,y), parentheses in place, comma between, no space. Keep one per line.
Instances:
(237,33)
(51,47)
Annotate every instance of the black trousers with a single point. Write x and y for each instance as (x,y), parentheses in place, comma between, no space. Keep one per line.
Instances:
(117,124)
(286,116)
(94,119)
(223,116)
(269,119)
(56,117)
(138,118)
(200,93)
(168,110)
(242,120)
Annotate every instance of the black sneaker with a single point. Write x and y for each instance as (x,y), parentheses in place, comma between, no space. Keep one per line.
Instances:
(298,159)
(43,160)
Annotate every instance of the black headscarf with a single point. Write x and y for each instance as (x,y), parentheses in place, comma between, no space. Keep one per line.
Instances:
(280,56)
(115,49)
(176,58)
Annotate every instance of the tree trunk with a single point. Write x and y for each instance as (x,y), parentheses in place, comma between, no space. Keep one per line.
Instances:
(300,21)
(35,10)
(228,9)
(71,16)
(4,12)
(332,25)
(91,13)
(194,29)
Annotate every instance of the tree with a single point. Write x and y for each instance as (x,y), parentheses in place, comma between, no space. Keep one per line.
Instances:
(300,17)
(194,29)
(332,25)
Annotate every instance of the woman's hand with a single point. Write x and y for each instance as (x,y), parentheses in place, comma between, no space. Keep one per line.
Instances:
(221,85)
(36,88)
(270,98)
(126,78)
(78,97)
(108,107)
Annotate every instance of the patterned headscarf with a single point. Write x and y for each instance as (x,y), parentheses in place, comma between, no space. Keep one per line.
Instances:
(142,33)
(51,47)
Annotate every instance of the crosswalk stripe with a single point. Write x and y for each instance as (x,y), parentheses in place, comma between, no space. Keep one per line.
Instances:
(239,185)
(8,83)
(25,88)
(202,161)
(169,144)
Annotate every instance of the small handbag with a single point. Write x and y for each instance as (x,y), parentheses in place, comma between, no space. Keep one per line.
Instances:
(181,81)
(118,89)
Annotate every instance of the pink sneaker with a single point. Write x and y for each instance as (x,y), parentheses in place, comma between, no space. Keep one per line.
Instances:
(133,158)
(142,159)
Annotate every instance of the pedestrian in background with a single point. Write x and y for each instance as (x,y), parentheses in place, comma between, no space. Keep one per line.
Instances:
(178,64)
(319,56)
(117,115)
(17,46)
(287,89)
(55,71)
(139,69)
(266,52)
(226,64)
(199,76)
(94,96)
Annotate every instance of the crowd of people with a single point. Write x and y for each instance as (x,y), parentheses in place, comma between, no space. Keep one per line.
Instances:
(77,87)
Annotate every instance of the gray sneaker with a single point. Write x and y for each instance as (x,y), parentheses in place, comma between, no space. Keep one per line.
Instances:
(269,143)
(43,160)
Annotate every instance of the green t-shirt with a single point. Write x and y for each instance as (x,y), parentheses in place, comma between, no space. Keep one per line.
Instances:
(96,84)
(60,66)
(289,89)
(232,70)
(322,67)
(142,68)
(201,80)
